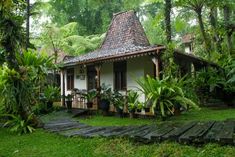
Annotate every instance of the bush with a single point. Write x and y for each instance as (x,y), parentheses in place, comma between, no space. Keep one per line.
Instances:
(164,94)
(19,125)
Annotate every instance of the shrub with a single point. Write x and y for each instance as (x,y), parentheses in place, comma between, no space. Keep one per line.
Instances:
(164,94)
(19,125)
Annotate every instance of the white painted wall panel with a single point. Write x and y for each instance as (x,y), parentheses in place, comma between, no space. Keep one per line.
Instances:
(106,74)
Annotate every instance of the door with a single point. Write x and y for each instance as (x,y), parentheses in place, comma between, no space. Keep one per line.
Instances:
(91,78)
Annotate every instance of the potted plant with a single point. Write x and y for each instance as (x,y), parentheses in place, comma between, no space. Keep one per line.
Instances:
(132,102)
(147,105)
(90,96)
(69,101)
(139,107)
(50,95)
(105,98)
(118,101)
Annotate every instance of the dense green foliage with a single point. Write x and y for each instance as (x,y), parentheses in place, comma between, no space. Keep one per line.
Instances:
(66,39)
(92,16)
(164,94)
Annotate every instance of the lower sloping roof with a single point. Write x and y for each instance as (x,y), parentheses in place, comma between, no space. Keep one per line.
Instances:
(100,55)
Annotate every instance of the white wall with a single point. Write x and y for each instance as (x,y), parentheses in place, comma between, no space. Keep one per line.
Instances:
(78,83)
(136,68)
(106,74)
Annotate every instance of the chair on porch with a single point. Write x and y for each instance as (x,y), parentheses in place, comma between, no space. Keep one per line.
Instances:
(79,99)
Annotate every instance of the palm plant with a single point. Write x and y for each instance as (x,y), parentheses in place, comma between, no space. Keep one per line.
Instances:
(119,101)
(132,100)
(90,96)
(164,94)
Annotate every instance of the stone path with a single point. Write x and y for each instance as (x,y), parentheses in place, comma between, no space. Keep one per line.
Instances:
(193,132)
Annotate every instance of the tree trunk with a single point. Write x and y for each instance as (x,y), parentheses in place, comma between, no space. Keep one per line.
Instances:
(203,32)
(167,13)
(227,15)
(213,22)
(27,24)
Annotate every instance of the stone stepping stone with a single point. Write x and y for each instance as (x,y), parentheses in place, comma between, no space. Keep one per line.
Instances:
(138,130)
(196,133)
(176,132)
(120,131)
(83,131)
(66,128)
(212,135)
(60,125)
(141,136)
(107,130)
(157,135)
(225,136)
(59,121)
(79,112)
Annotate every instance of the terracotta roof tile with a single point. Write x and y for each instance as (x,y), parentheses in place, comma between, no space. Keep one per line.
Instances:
(125,35)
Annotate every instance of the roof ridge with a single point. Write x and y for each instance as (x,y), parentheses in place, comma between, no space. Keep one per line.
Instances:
(122,12)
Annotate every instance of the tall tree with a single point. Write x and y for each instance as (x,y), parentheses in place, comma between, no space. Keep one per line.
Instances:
(227,17)
(11,30)
(27,23)
(197,6)
(92,16)
(167,12)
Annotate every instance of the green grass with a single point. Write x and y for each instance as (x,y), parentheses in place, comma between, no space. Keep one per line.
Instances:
(205,114)
(100,120)
(43,144)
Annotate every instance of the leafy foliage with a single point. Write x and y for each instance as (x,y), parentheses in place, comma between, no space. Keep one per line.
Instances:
(51,93)
(66,39)
(19,125)
(132,100)
(90,95)
(118,100)
(92,16)
(20,89)
(164,94)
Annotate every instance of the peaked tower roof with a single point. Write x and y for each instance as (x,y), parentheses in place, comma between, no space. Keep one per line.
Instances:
(125,36)
(125,31)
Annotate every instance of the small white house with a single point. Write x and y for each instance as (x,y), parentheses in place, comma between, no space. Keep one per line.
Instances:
(124,56)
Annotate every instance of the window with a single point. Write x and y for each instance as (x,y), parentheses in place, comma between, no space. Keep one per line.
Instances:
(70,79)
(119,69)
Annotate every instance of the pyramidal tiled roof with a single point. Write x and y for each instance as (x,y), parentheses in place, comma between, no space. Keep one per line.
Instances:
(125,31)
(124,36)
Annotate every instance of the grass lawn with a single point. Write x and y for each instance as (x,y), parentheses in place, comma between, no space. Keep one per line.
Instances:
(205,114)
(43,144)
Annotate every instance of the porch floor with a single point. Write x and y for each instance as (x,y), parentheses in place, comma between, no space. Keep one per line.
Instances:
(221,132)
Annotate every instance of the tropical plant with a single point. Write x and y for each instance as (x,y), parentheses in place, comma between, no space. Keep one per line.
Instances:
(19,125)
(164,94)
(51,93)
(106,92)
(90,95)
(132,100)
(231,72)
(66,39)
(118,100)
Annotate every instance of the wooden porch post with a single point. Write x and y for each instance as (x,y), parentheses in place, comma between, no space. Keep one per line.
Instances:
(63,87)
(97,68)
(155,60)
